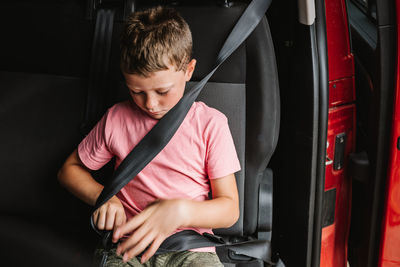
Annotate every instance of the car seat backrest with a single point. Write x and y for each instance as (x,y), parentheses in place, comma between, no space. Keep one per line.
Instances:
(229,98)
(262,116)
(245,89)
(40,118)
(226,91)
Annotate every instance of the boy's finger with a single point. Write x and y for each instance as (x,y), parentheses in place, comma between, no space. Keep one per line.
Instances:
(152,249)
(95,216)
(139,247)
(101,220)
(118,220)
(110,218)
(130,226)
(140,234)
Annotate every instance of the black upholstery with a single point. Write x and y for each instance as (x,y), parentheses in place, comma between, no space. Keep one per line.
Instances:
(263,116)
(39,127)
(230,99)
(46,36)
(40,116)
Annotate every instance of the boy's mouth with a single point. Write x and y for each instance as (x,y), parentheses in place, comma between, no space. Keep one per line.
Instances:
(156,115)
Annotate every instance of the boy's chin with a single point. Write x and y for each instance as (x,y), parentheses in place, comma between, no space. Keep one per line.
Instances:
(156,116)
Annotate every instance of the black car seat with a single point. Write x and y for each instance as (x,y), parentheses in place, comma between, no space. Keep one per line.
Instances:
(245,88)
(44,64)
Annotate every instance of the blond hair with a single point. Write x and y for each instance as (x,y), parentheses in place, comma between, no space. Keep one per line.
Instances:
(154,39)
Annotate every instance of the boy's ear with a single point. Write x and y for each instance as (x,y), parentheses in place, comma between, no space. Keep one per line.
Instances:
(190,69)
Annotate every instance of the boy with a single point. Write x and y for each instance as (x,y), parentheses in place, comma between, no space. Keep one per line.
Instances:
(171,193)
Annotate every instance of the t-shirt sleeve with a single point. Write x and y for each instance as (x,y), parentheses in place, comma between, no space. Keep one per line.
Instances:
(222,158)
(94,149)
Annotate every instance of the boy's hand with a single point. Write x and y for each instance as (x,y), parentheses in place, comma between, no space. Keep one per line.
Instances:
(151,227)
(110,215)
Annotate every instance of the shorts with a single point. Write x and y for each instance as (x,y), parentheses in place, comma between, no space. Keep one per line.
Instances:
(171,259)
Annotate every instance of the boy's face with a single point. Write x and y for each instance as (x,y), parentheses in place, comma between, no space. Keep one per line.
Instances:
(159,92)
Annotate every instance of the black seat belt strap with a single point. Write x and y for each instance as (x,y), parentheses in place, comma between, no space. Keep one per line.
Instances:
(264,218)
(189,239)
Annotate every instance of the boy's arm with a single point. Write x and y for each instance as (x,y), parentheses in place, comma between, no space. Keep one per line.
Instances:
(220,212)
(159,220)
(76,177)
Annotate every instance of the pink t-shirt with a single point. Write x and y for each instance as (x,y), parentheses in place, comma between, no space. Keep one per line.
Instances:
(201,149)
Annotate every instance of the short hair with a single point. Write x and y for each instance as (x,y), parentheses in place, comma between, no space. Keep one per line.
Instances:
(153,39)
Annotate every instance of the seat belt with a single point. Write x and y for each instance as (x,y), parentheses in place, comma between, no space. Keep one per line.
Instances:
(159,136)
(100,57)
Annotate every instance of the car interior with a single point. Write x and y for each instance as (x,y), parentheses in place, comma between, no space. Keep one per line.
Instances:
(273,90)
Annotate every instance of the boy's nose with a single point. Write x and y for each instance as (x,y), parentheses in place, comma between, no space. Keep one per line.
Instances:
(151,103)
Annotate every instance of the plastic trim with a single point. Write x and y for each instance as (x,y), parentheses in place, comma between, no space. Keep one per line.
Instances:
(323,108)
(306,12)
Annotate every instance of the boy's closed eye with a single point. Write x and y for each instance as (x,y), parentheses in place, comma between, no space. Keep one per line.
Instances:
(136,93)
(164,92)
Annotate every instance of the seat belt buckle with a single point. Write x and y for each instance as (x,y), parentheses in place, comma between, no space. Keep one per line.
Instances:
(215,238)
(238,257)
(106,240)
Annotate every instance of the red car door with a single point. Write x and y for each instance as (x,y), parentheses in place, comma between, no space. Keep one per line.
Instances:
(390,239)
(340,137)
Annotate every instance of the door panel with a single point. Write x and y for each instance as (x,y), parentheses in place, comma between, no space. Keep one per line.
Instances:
(340,137)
